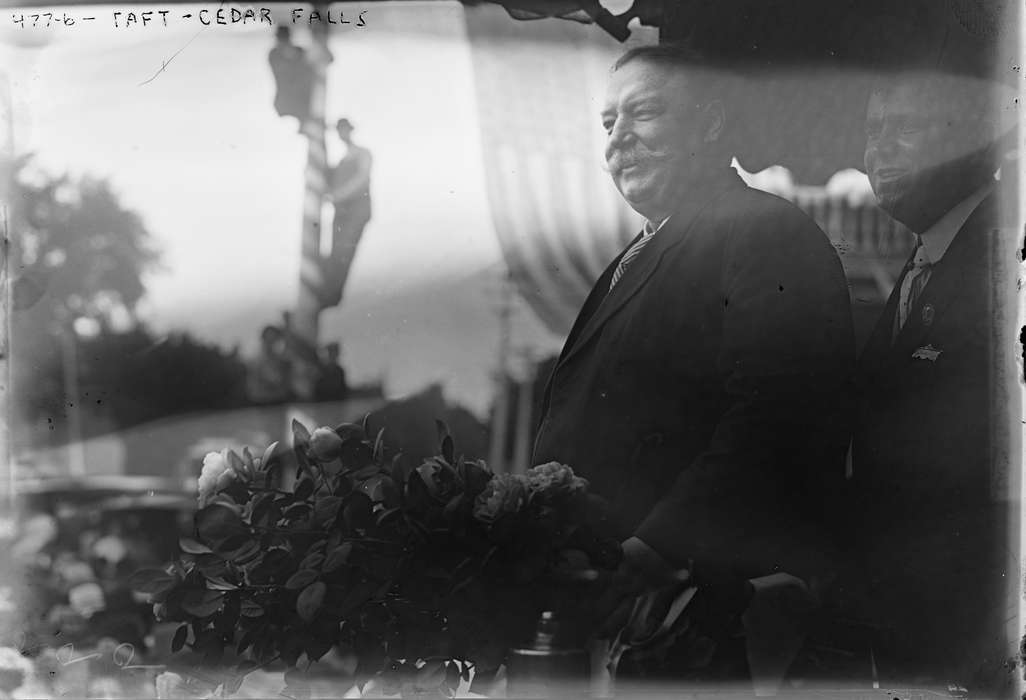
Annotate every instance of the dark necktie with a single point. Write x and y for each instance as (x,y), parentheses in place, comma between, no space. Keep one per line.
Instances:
(912,287)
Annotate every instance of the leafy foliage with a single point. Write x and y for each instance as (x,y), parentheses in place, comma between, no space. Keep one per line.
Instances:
(421,575)
(143,377)
(76,253)
(75,240)
(134,376)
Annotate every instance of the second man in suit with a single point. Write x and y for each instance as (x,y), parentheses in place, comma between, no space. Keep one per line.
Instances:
(929,524)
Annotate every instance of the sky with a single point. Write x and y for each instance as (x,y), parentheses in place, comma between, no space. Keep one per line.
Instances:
(180,120)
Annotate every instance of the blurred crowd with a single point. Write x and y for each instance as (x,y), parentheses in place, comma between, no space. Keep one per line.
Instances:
(271,375)
(80,628)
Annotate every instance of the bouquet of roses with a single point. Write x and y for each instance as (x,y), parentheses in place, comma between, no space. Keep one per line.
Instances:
(417,575)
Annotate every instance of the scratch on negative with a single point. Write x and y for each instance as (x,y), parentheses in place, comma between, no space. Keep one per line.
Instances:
(165,64)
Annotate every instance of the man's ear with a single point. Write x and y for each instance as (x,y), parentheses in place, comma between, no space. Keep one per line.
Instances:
(715,119)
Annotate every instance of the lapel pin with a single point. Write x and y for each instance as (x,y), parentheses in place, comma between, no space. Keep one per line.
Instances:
(927,353)
(928,312)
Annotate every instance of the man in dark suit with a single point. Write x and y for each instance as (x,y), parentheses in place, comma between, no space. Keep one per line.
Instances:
(700,388)
(930,531)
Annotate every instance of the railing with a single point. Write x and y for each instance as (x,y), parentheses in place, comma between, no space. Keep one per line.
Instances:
(862,228)
(872,246)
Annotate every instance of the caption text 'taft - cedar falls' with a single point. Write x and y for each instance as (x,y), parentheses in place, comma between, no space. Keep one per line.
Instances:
(225,16)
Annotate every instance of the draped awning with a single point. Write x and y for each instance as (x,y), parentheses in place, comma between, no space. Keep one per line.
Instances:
(558,218)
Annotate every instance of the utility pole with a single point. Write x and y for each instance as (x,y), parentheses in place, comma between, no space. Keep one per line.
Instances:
(7,485)
(306,320)
(292,66)
(525,415)
(6,404)
(72,395)
(500,415)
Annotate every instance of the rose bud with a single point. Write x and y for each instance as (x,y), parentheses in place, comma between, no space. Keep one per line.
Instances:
(325,445)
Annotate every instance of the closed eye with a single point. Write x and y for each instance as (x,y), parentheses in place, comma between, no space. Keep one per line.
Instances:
(646,109)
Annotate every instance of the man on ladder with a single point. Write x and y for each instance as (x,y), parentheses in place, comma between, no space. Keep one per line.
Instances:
(349,189)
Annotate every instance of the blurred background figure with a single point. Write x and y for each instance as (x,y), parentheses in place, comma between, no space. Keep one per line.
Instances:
(299,353)
(293,76)
(37,531)
(268,379)
(350,196)
(331,385)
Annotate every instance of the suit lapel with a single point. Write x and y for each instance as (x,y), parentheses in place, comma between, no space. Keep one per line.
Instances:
(595,298)
(879,346)
(644,265)
(640,270)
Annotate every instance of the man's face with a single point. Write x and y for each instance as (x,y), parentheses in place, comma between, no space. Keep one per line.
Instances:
(654,132)
(923,154)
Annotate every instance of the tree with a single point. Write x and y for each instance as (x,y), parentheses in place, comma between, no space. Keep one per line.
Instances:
(77,257)
(75,247)
(142,377)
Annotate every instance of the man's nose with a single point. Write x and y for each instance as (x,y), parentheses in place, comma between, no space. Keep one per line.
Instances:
(883,146)
(891,137)
(619,136)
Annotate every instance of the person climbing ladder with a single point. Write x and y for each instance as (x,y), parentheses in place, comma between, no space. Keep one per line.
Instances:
(350,194)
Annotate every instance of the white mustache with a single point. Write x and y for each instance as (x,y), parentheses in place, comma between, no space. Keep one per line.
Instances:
(620,161)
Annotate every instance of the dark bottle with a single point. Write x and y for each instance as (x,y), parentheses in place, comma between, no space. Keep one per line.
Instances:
(552,666)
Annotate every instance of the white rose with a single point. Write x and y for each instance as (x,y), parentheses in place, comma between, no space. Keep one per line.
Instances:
(215,476)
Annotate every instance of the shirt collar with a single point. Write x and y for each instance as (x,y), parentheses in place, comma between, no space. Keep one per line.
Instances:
(649,230)
(716,181)
(936,239)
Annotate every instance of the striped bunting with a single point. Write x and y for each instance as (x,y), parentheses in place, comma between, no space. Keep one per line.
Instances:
(557,216)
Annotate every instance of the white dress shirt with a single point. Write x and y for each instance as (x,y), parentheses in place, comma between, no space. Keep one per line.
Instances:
(937,239)
(931,245)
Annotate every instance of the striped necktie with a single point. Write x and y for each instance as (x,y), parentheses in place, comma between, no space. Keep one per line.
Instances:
(912,287)
(633,252)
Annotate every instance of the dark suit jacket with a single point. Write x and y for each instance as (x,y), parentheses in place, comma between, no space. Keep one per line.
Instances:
(701,396)
(929,536)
